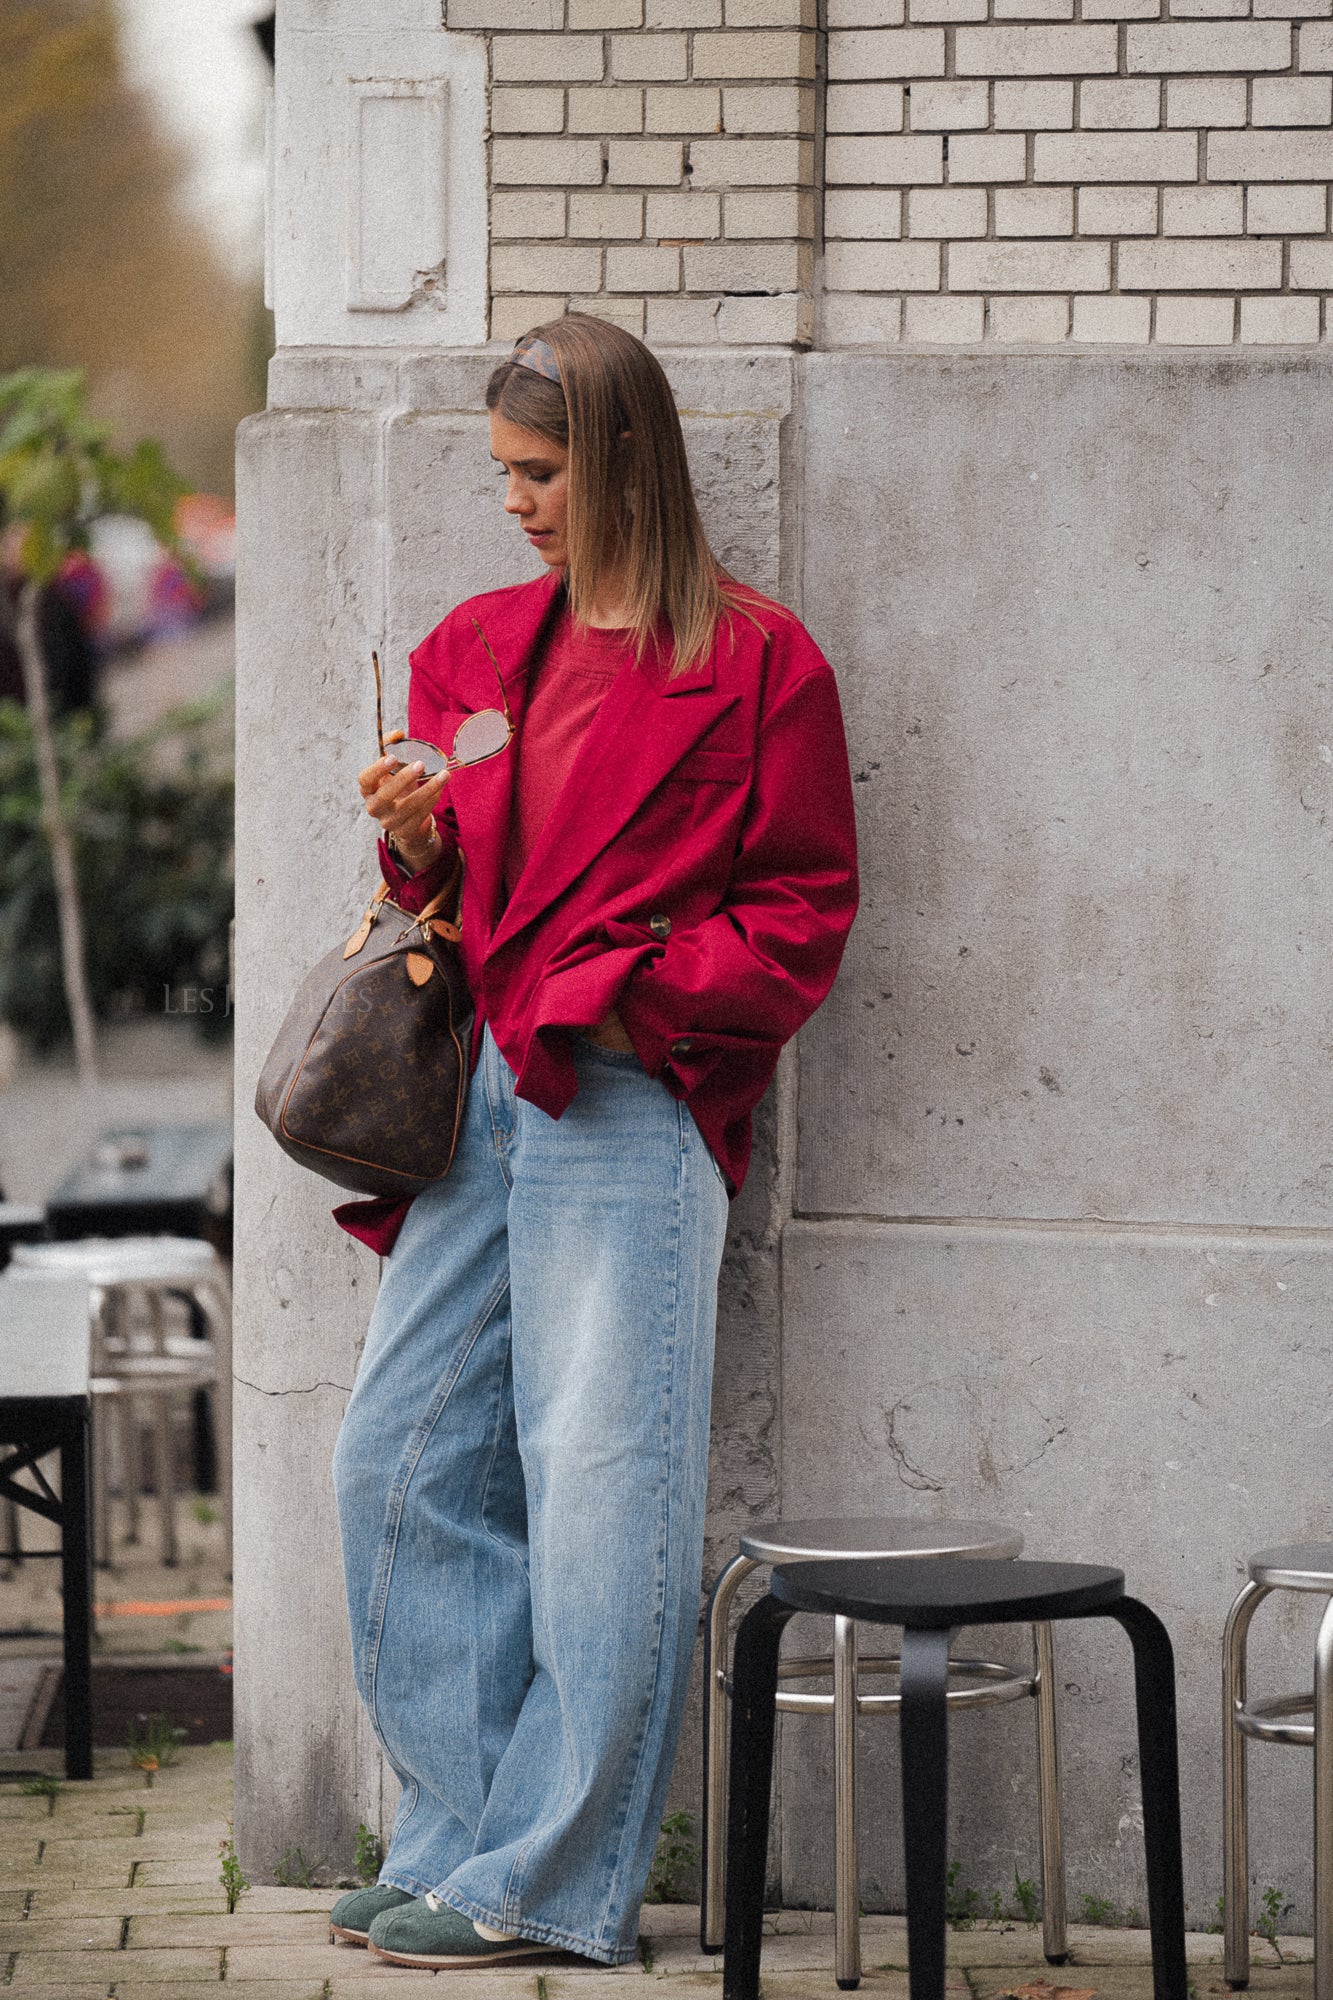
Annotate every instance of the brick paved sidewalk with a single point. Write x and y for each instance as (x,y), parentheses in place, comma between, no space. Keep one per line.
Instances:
(115,1895)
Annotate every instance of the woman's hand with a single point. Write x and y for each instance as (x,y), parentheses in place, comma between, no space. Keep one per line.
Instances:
(397,796)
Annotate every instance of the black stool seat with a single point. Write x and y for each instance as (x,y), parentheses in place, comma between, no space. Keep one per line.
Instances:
(928,1597)
(931,1594)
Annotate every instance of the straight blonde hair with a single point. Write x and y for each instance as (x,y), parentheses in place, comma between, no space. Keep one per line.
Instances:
(631,502)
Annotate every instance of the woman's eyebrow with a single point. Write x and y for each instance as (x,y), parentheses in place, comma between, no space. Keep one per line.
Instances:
(523,464)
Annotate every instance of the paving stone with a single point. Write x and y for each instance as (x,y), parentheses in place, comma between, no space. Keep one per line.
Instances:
(585,1982)
(266,1897)
(57,1905)
(800,1986)
(418,1985)
(245,1927)
(184,1873)
(258,1989)
(74,1933)
(159,1969)
(496,1984)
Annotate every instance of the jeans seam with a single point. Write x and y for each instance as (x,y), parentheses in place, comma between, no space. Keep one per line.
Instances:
(389,1546)
(664,1541)
(500,1135)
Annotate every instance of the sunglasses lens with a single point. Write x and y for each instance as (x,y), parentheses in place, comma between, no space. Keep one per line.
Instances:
(482,735)
(412,750)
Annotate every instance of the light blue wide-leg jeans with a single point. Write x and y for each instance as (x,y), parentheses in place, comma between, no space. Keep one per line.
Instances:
(520,1480)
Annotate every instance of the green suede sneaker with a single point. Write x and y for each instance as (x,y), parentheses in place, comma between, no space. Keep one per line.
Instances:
(427,1932)
(352,1915)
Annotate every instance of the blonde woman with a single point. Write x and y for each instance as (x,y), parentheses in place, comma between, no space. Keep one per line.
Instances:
(659,876)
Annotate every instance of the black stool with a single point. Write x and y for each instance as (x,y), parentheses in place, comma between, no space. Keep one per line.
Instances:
(928,1598)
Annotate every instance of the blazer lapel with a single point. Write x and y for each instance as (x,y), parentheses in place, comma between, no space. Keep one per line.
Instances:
(646,723)
(480,793)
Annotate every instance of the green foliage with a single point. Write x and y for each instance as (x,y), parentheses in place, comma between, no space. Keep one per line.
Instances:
(369,1854)
(58,473)
(151,821)
(153,1743)
(1097,1910)
(205,1513)
(233,1882)
(962,1904)
(1027,1900)
(1273,1906)
(293,1871)
(677,1856)
(44,1786)
(1219,1915)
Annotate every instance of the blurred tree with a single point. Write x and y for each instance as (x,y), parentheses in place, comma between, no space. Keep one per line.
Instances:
(57,475)
(99,267)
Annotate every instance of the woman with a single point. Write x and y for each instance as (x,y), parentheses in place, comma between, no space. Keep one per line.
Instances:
(659,878)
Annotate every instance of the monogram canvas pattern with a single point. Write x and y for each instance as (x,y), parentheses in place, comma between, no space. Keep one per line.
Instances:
(366,1080)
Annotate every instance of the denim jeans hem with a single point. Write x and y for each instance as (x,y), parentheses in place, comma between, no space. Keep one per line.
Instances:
(407,1883)
(540,1933)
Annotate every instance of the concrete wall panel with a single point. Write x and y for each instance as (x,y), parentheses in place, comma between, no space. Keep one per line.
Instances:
(310,563)
(1080,609)
(1158,1401)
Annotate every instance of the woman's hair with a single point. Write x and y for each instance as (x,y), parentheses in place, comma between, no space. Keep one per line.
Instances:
(630,497)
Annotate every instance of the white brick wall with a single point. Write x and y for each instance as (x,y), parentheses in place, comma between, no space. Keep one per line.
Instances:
(1107,171)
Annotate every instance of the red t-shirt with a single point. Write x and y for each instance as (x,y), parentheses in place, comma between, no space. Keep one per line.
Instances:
(566,691)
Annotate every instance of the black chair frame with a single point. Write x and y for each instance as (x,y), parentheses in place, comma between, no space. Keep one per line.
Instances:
(34,1426)
(924,1738)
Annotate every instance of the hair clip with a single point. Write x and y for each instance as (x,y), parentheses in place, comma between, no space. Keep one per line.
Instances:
(537,354)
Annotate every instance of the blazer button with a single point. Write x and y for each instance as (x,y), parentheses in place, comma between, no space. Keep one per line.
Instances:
(660,927)
(683,1047)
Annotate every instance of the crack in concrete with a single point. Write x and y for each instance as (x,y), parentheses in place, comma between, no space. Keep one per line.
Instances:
(908,1474)
(306,1389)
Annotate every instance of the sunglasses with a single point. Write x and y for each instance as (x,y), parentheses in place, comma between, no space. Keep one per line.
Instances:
(479,736)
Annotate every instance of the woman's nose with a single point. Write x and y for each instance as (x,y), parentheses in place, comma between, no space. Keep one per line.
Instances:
(516,500)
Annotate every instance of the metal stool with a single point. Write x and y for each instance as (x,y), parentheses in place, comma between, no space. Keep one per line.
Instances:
(137,1357)
(928,1598)
(878,1541)
(1299,1566)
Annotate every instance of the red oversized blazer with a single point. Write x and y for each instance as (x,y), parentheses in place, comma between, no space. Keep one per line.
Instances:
(697,872)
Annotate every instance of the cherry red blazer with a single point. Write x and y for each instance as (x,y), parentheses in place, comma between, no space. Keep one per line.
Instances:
(697,871)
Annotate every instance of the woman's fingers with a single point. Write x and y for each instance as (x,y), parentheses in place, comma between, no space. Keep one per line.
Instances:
(404,799)
(374,774)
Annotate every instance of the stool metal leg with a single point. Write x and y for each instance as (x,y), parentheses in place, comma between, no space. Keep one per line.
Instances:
(754,1678)
(164,1447)
(1235,1808)
(713,1861)
(1055,1940)
(846,1872)
(1323,1808)
(1159,1773)
(923,1719)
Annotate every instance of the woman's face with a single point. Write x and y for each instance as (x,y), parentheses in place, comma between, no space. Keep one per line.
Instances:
(537,486)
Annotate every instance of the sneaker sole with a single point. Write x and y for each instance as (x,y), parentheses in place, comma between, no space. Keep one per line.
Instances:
(348,1937)
(456,1960)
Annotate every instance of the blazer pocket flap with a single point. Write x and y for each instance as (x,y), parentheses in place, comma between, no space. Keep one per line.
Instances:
(718,767)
